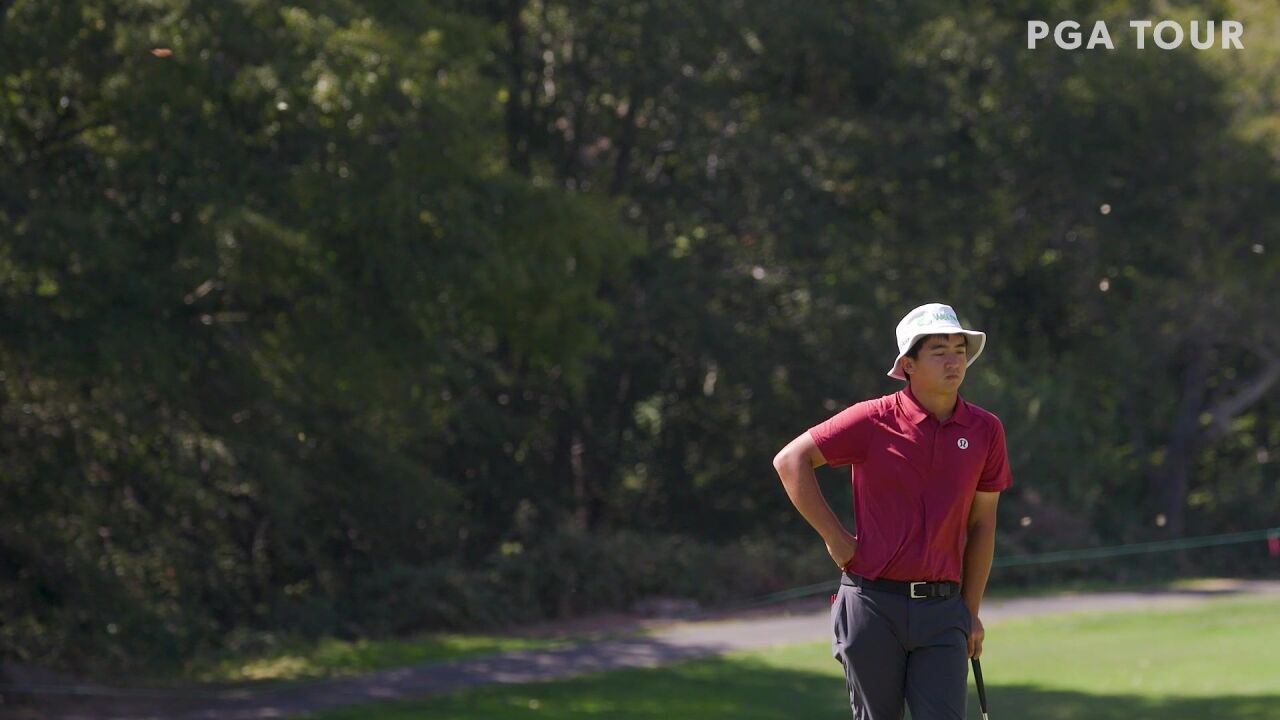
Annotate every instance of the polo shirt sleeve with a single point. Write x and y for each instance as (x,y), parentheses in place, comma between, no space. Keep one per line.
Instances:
(844,437)
(995,474)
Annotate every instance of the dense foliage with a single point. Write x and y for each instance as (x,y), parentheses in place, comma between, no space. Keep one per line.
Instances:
(373,316)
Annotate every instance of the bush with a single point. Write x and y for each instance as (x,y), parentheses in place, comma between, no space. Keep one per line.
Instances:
(573,573)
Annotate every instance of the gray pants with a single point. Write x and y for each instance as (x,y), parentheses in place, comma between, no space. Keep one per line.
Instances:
(897,649)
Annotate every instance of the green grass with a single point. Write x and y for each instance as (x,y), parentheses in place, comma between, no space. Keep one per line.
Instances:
(330,657)
(1223,646)
(1219,659)
(1089,585)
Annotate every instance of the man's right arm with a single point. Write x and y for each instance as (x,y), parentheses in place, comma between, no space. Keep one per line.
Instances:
(795,464)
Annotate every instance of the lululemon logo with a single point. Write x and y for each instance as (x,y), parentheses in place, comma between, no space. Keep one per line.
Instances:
(963,444)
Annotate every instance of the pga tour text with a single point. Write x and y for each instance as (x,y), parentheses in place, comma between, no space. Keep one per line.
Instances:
(1166,34)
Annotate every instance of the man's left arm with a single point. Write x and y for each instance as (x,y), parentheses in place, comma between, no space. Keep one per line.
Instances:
(979,550)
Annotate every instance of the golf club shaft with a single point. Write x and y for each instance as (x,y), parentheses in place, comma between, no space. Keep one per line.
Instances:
(982,689)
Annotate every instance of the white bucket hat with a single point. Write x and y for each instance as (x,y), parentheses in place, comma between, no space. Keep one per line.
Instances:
(933,319)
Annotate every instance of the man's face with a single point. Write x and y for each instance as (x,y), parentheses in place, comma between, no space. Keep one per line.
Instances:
(940,364)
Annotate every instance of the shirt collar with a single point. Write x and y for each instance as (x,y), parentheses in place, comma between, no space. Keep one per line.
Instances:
(916,413)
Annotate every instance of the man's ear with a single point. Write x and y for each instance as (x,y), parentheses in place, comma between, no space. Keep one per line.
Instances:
(908,365)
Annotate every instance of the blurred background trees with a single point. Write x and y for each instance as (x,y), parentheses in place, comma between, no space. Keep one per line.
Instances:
(368,317)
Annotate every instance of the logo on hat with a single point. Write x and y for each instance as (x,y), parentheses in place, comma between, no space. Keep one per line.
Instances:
(941,315)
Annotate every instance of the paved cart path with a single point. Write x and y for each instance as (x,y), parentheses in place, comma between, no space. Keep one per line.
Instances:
(806,622)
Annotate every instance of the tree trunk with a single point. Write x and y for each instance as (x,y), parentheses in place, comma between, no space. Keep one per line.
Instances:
(580,55)
(1183,443)
(581,494)
(517,114)
(635,96)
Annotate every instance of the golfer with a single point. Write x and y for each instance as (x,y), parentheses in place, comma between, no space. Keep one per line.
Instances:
(928,469)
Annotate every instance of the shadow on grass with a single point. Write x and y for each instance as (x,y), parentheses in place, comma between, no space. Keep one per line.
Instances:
(702,689)
(511,669)
(745,688)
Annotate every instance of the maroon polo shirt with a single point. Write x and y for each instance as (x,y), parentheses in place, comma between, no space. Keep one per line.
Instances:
(914,480)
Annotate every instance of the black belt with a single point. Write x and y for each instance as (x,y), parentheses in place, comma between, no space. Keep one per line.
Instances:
(915,590)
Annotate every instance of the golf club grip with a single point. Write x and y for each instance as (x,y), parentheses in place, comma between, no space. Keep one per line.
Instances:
(982,688)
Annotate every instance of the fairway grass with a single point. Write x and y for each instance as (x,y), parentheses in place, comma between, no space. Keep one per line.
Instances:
(1223,646)
(1218,659)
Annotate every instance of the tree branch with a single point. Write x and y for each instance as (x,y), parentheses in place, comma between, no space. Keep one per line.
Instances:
(1227,410)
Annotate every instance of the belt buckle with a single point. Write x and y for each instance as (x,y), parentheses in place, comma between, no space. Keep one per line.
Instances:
(914,596)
